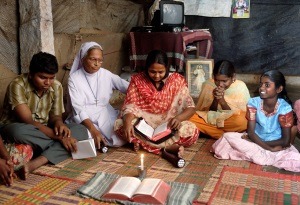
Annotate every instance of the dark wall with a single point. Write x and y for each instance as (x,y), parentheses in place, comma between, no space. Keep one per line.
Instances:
(269,39)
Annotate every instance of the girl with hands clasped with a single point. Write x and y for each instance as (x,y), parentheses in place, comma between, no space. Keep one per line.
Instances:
(222,103)
(158,97)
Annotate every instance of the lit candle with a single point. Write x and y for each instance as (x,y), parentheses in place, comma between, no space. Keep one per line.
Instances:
(142,161)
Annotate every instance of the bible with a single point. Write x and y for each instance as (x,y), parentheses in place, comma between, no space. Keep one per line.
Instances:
(85,149)
(157,135)
(150,190)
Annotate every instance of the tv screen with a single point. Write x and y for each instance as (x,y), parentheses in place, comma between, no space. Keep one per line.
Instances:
(171,14)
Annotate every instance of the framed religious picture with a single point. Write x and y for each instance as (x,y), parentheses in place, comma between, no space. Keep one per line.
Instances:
(198,71)
(241,9)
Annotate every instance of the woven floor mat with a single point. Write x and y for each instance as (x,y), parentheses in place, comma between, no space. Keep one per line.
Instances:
(201,167)
(53,184)
(248,186)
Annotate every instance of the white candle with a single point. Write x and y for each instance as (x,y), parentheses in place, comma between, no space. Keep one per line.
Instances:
(142,161)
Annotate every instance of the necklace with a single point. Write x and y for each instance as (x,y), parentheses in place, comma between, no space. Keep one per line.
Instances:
(95,95)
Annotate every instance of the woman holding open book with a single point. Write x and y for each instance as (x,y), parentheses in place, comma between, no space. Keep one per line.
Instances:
(158,97)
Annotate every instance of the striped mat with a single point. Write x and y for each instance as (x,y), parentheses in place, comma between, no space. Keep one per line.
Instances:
(57,184)
(246,186)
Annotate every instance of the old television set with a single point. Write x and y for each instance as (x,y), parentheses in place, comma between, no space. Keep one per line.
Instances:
(169,17)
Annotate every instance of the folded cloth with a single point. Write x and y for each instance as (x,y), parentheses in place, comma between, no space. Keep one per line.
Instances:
(180,194)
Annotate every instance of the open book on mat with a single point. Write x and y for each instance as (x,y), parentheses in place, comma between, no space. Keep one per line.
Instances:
(85,149)
(97,186)
(150,190)
(157,135)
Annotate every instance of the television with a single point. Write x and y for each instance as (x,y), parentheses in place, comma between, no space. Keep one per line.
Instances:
(169,17)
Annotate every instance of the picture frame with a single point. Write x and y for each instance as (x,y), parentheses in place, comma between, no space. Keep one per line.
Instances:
(198,71)
(241,9)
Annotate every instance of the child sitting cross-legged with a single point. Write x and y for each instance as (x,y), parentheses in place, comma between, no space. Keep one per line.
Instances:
(270,129)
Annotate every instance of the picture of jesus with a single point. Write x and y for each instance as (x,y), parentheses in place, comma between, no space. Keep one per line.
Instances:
(199,80)
(197,72)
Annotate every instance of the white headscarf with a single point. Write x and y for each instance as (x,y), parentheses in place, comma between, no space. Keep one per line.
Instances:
(83,49)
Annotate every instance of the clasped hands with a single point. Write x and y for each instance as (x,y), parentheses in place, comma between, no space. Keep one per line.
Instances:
(218,93)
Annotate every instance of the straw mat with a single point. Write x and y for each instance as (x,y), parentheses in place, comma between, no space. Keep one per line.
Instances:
(248,186)
(57,184)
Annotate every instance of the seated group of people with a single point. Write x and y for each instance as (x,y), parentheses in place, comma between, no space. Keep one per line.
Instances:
(32,126)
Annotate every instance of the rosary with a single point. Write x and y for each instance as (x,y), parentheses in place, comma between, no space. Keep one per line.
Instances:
(95,95)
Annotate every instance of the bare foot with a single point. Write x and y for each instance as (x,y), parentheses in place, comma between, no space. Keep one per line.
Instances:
(176,149)
(32,165)
(24,172)
(136,147)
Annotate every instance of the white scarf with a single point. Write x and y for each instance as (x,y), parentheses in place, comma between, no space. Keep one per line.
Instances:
(77,64)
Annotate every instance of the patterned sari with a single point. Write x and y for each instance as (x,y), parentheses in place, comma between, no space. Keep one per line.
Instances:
(156,107)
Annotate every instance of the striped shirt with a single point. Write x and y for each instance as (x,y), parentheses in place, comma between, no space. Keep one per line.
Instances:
(21,91)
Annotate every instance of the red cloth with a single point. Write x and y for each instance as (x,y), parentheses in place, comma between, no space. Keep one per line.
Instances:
(144,95)
(174,44)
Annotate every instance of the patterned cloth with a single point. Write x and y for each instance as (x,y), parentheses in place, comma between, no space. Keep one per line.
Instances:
(180,194)
(156,107)
(20,154)
(21,91)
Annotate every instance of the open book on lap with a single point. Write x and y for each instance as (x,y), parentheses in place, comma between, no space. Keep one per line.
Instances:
(157,135)
(150,190)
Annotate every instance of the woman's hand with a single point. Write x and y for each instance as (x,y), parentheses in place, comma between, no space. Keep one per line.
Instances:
(69,143)
(128,130)
(174,123)
(98,138)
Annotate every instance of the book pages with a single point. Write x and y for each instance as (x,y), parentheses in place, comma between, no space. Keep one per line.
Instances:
(148,186)
(85,149)
(145,128)
(125,186)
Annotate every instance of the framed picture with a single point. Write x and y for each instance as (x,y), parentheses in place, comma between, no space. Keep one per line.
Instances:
(198,71)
